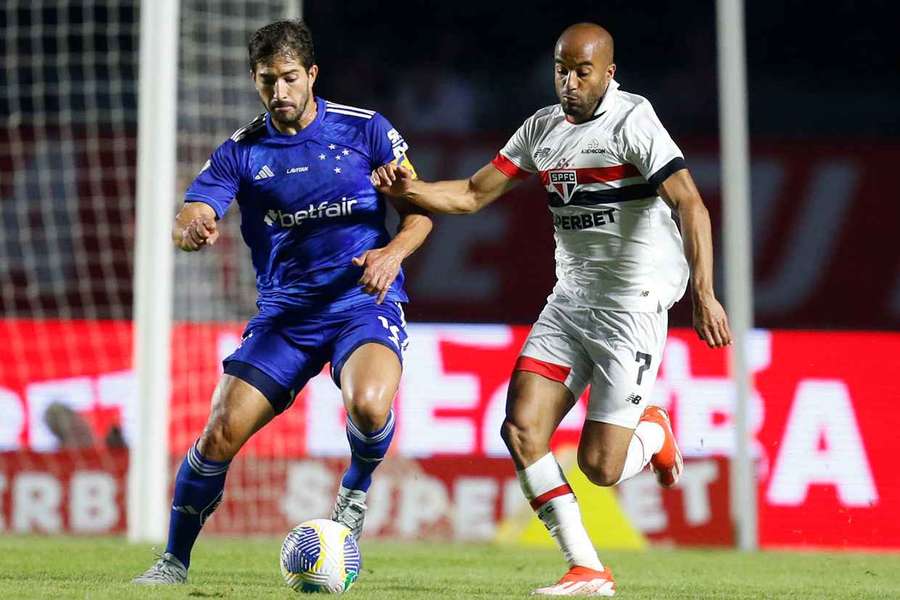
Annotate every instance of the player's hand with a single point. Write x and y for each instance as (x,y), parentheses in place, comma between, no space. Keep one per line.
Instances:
(711,322)
(392,180)
(380,269)
(201,231)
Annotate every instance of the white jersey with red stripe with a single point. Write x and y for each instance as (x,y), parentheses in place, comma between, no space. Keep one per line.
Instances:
(617,244)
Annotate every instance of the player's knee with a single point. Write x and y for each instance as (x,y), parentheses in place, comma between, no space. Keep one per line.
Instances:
(368,408)
(218,442)
(511,434)
(522,441)
(598,470)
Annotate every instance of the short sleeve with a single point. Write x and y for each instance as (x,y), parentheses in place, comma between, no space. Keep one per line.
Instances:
(649,147)
(218,182)
(514,159)
(385,142)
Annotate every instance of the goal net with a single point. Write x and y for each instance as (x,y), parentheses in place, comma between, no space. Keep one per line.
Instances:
(67,155)
(67,202)
(214,290)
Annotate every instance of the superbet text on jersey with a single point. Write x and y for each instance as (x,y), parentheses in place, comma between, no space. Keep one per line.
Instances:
(617,244)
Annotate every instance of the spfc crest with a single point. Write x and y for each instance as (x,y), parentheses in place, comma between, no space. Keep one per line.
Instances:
(564,183)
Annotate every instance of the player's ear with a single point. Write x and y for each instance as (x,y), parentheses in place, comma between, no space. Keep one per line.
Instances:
(312,73)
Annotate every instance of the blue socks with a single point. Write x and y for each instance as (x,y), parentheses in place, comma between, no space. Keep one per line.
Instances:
(198,491)
(367,450)
(200,483)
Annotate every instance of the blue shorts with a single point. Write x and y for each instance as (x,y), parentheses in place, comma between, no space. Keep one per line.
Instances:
(281,350)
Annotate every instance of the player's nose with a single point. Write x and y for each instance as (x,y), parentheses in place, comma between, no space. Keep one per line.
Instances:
(281,88)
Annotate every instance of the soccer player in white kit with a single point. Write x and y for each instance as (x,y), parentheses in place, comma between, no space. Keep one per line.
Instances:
(614,179)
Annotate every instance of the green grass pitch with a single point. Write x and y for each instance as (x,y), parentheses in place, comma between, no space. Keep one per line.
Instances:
(88,568)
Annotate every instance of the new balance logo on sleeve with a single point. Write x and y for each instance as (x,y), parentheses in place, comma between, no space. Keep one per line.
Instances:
(264,173)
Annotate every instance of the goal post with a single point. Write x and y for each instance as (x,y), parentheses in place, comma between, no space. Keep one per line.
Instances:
(148,472)
(293,9)
(735,160)
(194,91)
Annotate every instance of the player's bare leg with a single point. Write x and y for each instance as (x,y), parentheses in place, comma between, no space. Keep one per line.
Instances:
(238,411)
(602,451)
(535,406)
(609,454)
(369,381)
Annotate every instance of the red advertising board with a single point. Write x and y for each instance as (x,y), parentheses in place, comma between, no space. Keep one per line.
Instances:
(75,491)
(457,498)
(830,431)
(821,415)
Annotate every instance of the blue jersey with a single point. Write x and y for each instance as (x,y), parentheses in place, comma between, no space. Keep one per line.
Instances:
(307,205)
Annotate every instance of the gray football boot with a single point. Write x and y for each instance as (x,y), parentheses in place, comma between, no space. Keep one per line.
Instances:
(350,510)
(167,570)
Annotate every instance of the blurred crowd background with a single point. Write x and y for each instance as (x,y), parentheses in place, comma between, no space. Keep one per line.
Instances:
(832,68)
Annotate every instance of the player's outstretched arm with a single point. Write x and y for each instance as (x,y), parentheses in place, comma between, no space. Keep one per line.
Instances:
(710,320)
(195,227)
(460,196)
(381,265)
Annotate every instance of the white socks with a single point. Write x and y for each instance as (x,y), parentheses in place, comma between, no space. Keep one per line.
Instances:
(647,440)
(552,499)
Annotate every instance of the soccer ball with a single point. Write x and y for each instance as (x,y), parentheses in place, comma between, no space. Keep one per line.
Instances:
(320,556)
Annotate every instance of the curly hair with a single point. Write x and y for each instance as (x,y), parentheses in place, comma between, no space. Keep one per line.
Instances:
(282,38)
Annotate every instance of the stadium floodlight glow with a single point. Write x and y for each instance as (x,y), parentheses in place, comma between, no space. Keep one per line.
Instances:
(738,252)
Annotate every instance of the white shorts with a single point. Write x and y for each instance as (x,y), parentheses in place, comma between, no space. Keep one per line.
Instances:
(616,352)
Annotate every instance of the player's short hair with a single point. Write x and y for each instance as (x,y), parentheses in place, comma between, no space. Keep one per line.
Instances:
(282,38)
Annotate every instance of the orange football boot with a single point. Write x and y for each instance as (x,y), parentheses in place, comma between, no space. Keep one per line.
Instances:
(667,463)
(581,581)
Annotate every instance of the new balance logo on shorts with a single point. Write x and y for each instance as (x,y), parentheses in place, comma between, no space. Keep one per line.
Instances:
(633,398)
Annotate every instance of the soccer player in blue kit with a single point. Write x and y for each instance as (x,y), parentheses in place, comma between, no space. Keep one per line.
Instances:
(328,274)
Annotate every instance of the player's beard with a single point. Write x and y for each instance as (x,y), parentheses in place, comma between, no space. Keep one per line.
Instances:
(579,108)
(293,116)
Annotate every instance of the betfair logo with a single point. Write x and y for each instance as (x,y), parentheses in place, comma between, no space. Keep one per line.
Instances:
(323,211)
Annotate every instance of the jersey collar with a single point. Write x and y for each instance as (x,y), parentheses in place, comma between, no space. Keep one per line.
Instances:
(608,98)
(304,134)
